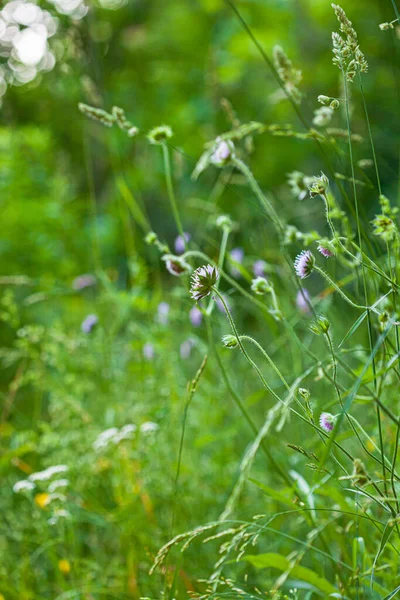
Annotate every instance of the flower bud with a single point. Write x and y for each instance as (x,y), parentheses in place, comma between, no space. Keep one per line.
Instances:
(224,222)
(160,134)
(222,153)
(260,286)
(229,341)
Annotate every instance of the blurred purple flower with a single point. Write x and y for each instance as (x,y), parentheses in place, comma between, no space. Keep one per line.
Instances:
(84,281)
(327,421)
(196,316)
(148,351)
(259,268)
(88,324)
(180,242)
(237,255)
(162,313)
(220,306)
(186,348)
(301,301)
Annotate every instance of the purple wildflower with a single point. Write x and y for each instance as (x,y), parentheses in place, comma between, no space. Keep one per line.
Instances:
(83,281)
(327,421)
(220,305)
(196,316)
(186,348)
(88,324)
(203,280)
(222,152)
(180,243)
(259,268)
(162,313)
(325,249)
(148,351)
(304,264)
(302,300)
(237,255)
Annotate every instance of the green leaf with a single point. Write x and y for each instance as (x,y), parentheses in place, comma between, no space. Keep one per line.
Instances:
(278,496)
(392,594)
(277,561)
(353,328)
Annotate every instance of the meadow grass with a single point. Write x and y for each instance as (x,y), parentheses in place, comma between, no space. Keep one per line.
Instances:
(196,420)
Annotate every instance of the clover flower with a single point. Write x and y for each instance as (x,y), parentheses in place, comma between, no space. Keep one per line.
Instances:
(304,264)
(327,421)
(203,280)
(176,265)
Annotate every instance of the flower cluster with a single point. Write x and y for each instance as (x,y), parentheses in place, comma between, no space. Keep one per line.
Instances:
(290,76)
(322,116)
(117,116)
(347,54)
(53,490)
(114,436)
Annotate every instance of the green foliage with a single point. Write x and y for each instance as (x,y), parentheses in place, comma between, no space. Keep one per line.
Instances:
(151,447)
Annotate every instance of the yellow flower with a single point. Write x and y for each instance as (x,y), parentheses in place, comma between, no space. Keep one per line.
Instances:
(42,500)
(64,566)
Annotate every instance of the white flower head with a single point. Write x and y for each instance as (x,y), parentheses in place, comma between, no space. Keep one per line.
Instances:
(48,473)
(23,486)
(149,427)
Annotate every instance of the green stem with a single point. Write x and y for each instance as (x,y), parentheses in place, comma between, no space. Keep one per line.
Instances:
(338,289)
(240,404)
(222,251)
(171,193)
